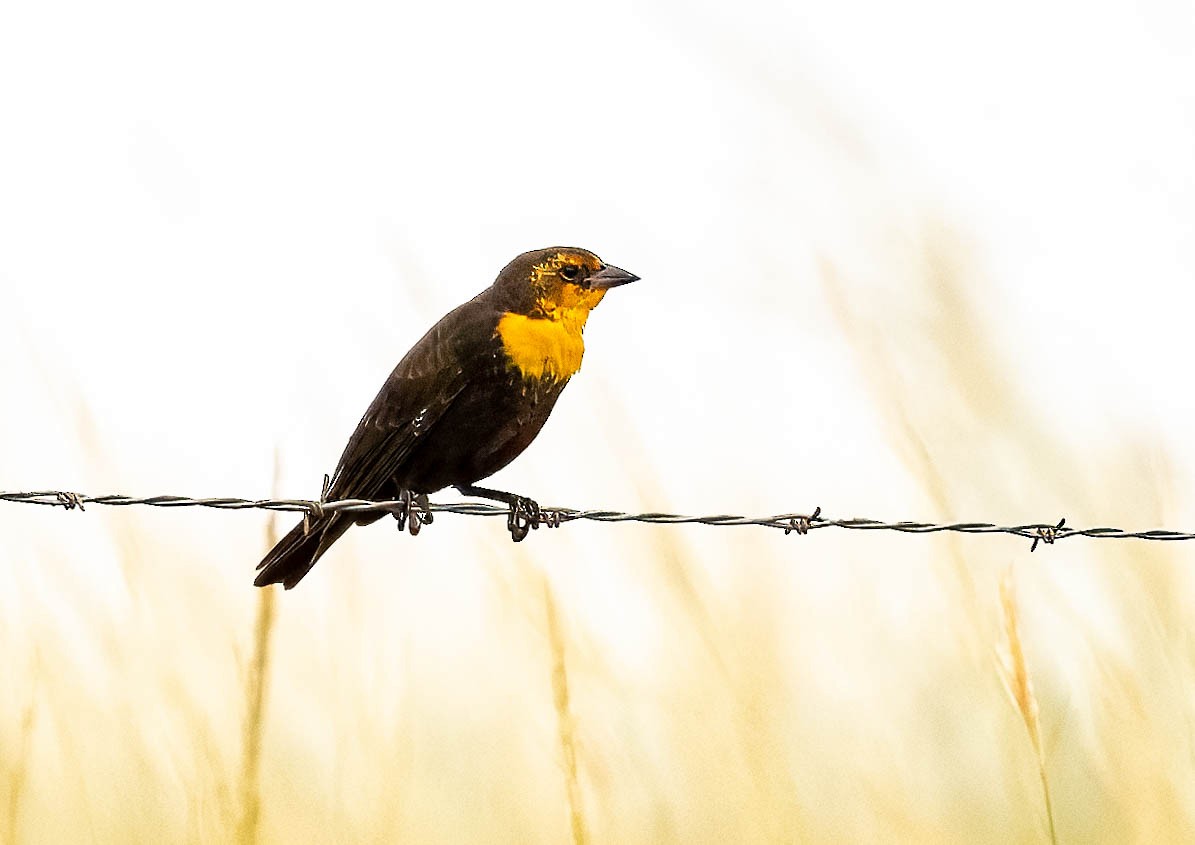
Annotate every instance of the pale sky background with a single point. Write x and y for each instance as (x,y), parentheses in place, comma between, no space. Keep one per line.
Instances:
(204,209)
(221,226)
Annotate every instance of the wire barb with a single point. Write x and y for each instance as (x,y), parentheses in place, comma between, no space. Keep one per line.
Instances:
(802,524)
(316,509)
(556,516)
(70,501)
(1047,534)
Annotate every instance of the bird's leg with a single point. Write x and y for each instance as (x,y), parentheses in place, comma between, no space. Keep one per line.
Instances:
(524,513)
(416,512)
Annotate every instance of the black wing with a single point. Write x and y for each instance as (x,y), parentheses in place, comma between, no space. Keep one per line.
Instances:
(416,396)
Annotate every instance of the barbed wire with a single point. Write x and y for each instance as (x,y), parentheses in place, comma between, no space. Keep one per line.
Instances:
(556,516)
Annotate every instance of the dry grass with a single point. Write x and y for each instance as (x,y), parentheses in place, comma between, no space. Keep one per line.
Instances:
(564,718)
(17,775)
(633,684)
(1015,675)
(256,684)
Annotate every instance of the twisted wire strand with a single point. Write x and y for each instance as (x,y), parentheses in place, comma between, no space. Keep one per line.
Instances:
(555,516)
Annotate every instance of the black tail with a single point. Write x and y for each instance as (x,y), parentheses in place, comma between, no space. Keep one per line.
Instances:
(298,551)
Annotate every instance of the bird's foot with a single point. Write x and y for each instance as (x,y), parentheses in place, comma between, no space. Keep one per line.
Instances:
(416,512)
(524,515)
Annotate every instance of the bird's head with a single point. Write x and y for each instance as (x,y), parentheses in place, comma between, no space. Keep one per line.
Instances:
(558,283)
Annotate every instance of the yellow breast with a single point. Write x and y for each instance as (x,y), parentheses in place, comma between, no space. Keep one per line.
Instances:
(541,347)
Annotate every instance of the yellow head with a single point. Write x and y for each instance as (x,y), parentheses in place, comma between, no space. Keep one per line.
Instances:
(546,298)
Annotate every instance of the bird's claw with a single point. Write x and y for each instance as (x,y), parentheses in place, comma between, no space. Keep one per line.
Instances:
(416,512)
(524,515)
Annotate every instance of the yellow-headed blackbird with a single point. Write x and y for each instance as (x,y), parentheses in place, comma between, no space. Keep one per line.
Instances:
(467,399)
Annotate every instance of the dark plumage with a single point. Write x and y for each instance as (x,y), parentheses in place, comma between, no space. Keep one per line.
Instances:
(465,401)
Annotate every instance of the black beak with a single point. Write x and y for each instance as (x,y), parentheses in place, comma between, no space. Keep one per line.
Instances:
(610,277)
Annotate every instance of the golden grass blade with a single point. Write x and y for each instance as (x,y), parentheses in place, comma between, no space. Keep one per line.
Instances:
(18,771)
(1015,675)
(564,719)
(255,698)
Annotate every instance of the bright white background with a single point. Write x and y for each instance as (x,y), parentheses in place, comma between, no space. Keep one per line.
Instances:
(220,225)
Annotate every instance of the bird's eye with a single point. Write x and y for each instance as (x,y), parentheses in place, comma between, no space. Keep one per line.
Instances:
(570,271)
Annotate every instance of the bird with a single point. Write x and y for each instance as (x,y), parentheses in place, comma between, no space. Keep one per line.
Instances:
(464,402)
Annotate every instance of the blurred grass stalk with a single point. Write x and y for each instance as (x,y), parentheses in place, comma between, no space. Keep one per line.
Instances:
(256,683)
(564,718)
(1015,675)
(18,771)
